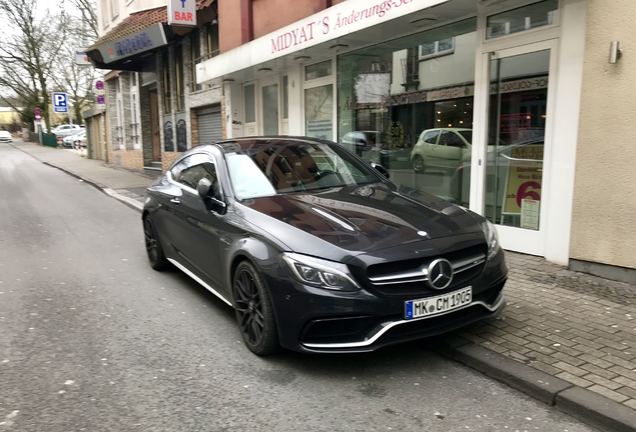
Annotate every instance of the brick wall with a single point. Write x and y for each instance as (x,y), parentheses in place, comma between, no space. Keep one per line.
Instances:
(131,159)
(167,158)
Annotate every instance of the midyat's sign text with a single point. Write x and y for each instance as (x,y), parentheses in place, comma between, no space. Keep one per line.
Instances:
(331,21)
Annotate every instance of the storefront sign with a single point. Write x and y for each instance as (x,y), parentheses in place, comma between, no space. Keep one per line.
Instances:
(81,58)
(150,38)
(182,12)
(334,22)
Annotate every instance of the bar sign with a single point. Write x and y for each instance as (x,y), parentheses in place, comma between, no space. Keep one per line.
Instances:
(182,12)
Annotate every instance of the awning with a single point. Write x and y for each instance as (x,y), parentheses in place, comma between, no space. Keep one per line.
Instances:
(324,27)
(129,44)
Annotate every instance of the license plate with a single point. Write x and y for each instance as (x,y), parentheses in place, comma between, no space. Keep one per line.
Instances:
(436,305)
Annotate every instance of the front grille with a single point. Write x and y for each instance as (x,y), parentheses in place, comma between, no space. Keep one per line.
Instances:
(409,276)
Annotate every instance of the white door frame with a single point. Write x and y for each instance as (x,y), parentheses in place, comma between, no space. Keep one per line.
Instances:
(518,239)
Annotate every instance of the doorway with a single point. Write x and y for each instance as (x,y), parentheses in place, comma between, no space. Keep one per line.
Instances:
(515,148)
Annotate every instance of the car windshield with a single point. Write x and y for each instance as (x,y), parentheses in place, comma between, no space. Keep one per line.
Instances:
(277,167)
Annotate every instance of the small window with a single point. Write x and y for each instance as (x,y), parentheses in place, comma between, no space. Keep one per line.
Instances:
(318,70)
(437,48)
(521,19)
(430,137)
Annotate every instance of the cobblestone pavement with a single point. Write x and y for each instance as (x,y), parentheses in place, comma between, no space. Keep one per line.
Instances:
(571,325)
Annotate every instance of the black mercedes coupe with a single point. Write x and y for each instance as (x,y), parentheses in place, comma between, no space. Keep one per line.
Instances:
(318,251)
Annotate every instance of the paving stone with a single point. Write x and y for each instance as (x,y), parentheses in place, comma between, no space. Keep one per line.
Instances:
(570,368)
(631,403)
(575,361)
(625,381)
(607,374)
(575,379)
(627,391)
(615,396)
(596,379)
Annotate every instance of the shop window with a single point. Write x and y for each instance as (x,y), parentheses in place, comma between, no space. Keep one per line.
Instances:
(285,97)
(521,19)
(166,84)
(178,75)
(407,104)
(437,48)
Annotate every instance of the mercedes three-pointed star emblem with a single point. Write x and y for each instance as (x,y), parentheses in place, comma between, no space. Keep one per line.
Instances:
(440,273)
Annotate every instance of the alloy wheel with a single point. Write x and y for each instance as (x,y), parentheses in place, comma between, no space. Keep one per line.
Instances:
(249,307)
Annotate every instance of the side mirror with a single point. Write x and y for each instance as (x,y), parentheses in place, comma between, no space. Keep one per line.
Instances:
(379,168)
(212,196)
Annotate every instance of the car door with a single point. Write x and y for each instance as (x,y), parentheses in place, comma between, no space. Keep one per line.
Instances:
(200,229)
(451,149)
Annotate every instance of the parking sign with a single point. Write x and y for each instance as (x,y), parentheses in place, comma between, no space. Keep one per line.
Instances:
(60,102)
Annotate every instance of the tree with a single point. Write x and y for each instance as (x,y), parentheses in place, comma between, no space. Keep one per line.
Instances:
(77,80)
(28,49)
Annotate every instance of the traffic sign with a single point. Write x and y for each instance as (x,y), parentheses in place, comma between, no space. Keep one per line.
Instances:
(37,112)
(60,102)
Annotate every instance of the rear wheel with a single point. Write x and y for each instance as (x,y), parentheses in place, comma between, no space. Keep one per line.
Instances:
(254,312)
(154,250)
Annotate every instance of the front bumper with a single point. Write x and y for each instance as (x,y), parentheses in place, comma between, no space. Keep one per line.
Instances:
(322,321)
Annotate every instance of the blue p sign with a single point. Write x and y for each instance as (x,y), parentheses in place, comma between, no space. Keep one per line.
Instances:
(60,102)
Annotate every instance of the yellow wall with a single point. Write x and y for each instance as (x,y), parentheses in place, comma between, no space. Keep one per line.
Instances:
(604,213)
(9,117)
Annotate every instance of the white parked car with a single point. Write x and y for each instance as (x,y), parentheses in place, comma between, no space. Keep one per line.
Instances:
(65,130)
(75,140)
(442,148)
(5,136)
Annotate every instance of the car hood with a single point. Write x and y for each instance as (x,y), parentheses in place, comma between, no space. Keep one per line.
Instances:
(357,220)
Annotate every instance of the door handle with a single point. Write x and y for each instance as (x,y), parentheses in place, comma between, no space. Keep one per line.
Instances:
(175,200)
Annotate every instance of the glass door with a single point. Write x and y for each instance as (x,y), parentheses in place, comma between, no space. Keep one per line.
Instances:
(517,144)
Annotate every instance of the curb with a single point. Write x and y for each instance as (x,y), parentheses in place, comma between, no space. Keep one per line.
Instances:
(133,204)
(585,405)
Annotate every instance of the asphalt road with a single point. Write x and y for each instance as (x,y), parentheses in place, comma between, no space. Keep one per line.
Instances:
(92,339)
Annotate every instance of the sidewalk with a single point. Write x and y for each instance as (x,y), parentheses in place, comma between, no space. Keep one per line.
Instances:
(125,185)
(566,338)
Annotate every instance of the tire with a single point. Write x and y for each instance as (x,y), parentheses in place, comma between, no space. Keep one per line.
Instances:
(418,163)
(254,311)
(156,257)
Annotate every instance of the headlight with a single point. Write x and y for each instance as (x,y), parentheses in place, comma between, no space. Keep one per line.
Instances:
(321,273)
(490,232)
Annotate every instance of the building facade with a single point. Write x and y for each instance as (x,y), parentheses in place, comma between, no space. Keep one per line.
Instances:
(480,102)
(505,107)
(154,108)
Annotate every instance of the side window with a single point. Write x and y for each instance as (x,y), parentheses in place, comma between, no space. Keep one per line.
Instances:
(430,137)
(178,169)
(192,175)
(451,139)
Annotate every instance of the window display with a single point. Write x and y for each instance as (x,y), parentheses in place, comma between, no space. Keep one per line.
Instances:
(408,105)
